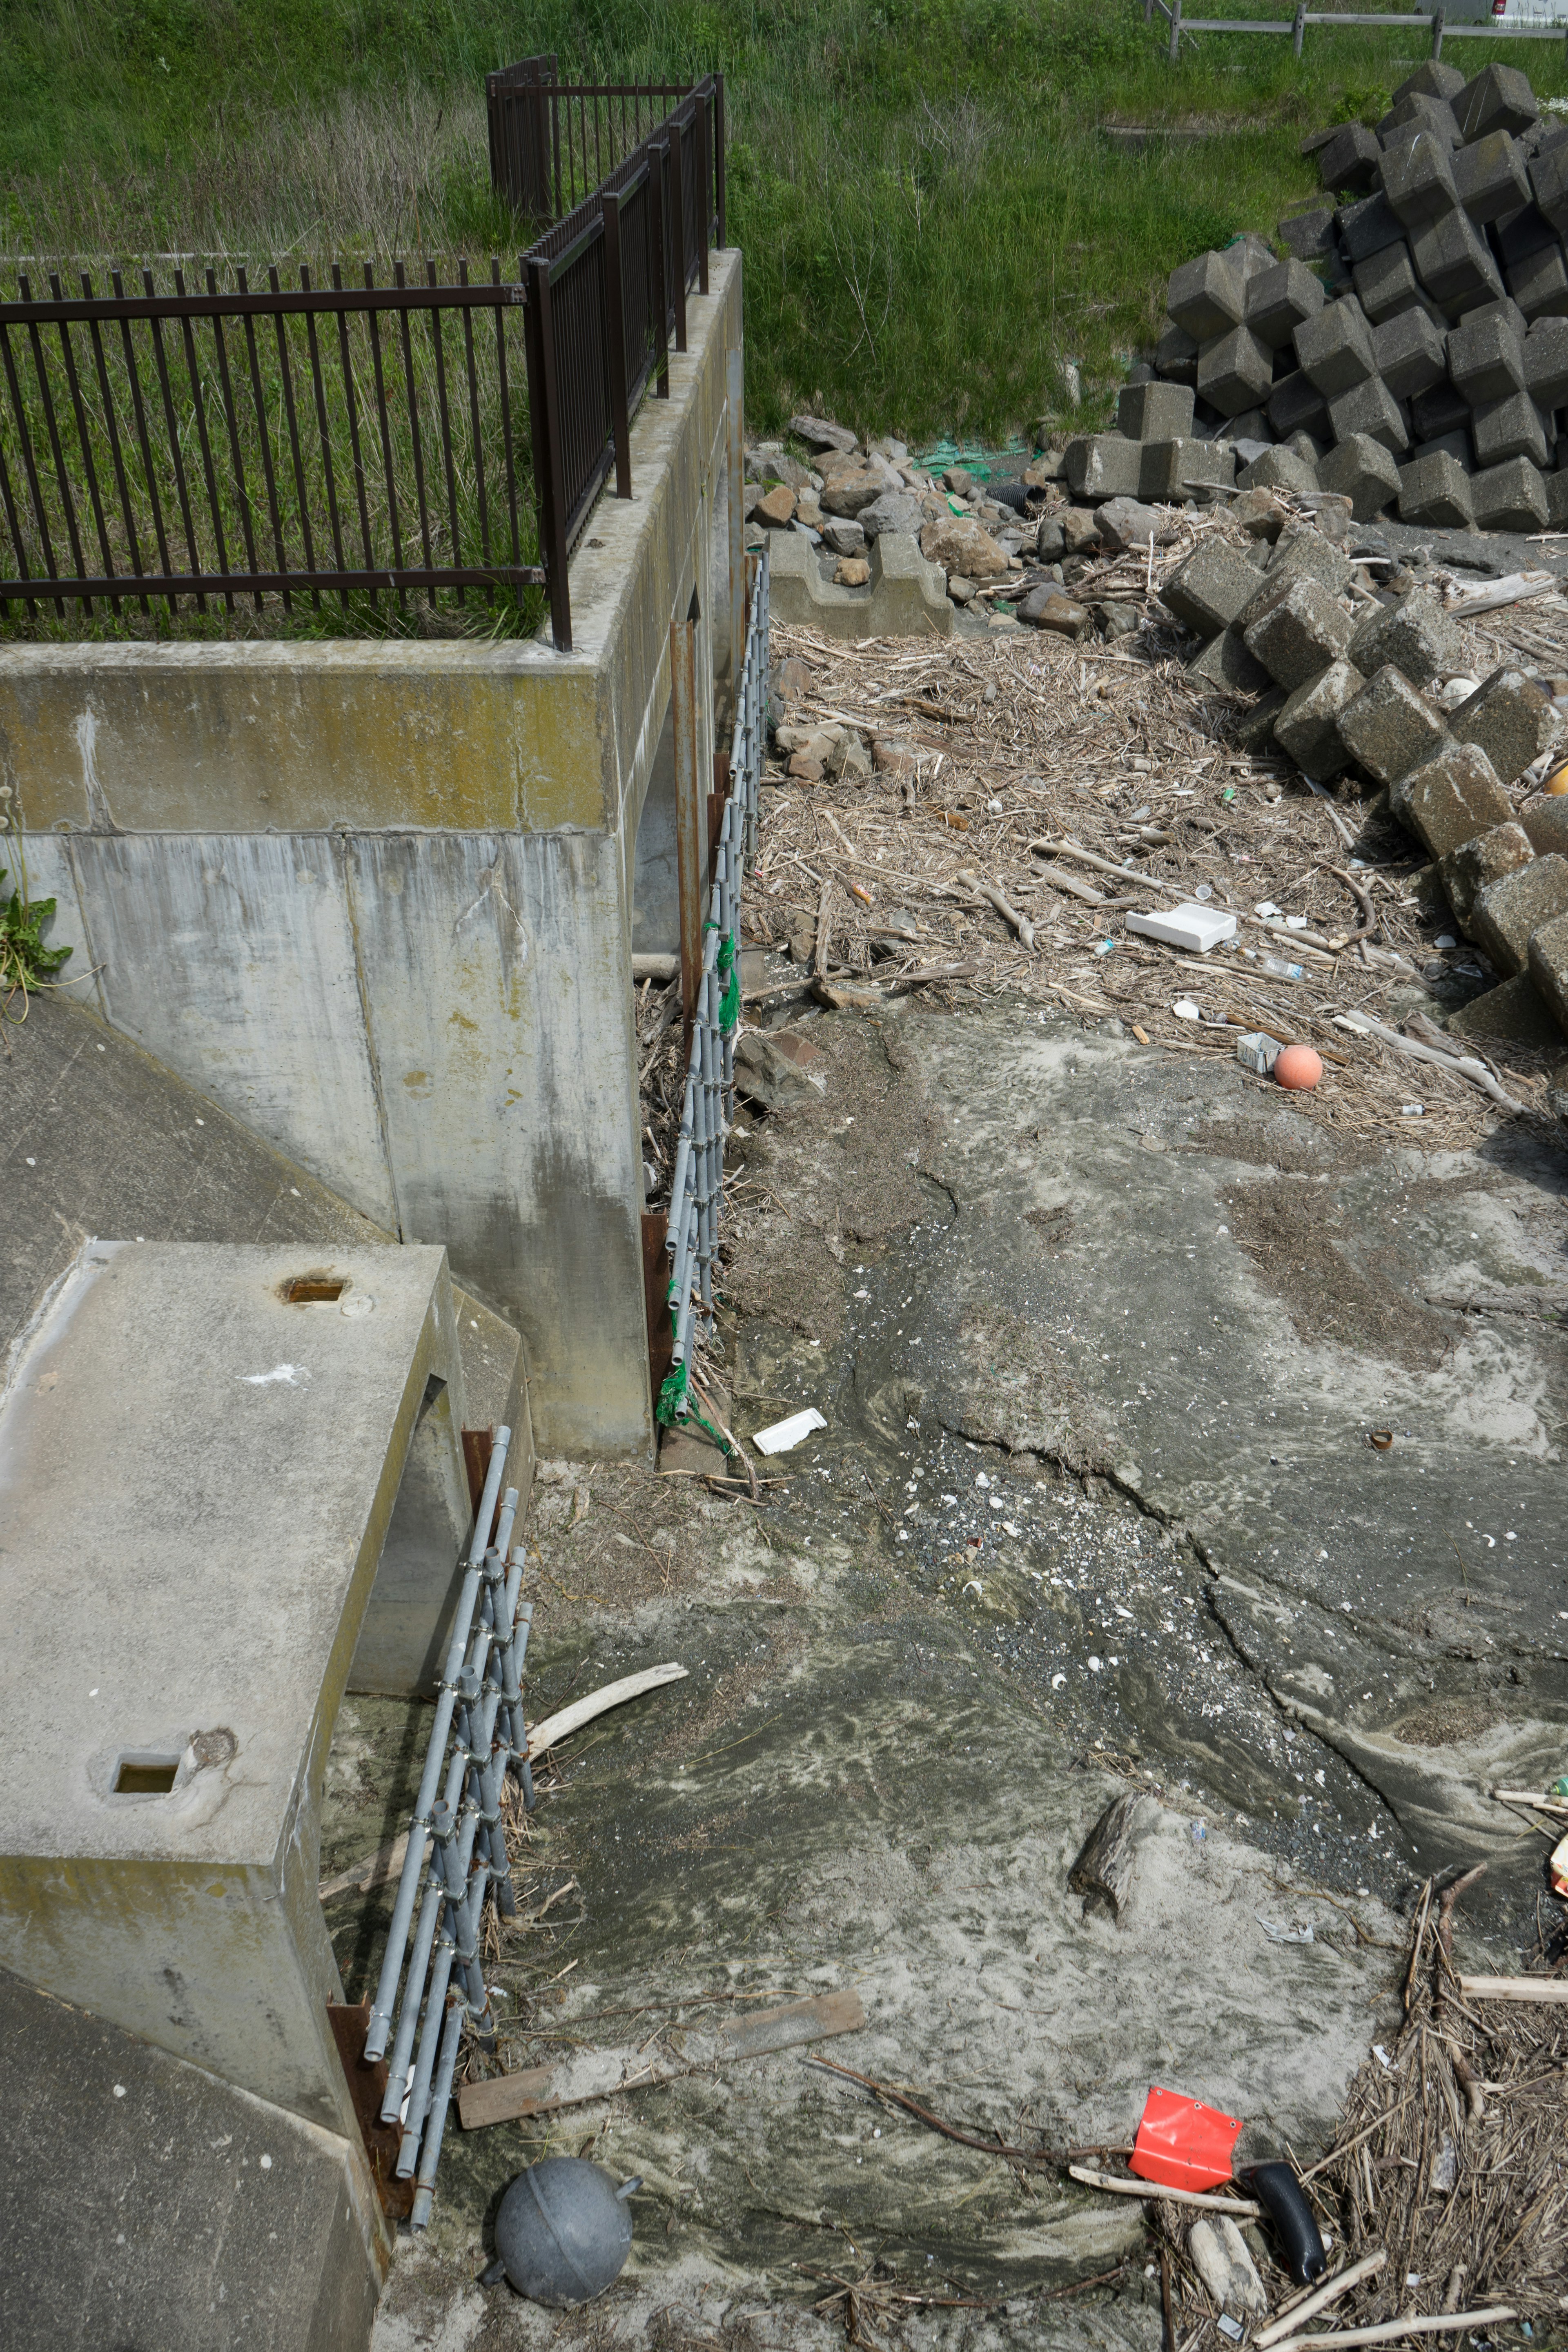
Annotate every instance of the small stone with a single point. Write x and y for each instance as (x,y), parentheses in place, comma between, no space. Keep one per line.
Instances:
(1549,967)
(1207,296)
(1509,718)
(1154,411)
(821,433)
(1051,539)
(1259,513)
(807,770)
(775,508)
(1212,588)
(1465,871)
(1511,497)
(1507,912)
(1388,730)
(1363,469)
(891,755)
(853,572)
(1048,608)
(1080,529)
(848,488)
(1453,798)
(1118,621)
(1307,726)
(1414,634)
(1301,631)
(961,591)
(1434,489)
(960,544)
(1125,523)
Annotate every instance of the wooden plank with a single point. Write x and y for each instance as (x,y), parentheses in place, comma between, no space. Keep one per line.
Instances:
(1544,1989)
(599,2073)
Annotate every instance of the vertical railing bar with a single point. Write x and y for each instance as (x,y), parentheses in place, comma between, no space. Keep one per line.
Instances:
(291,419)
(700,156)
(322,427)
(143,442)
(678,172)
(352,406)
(231,417)
(718,180)
(200,415)
(475,429)
(615,342)
(658,270)
(29,467)
(267,469)
(181,485)
(544,424)
(112,429)
(446,423)
(374,321)
(501,310)
(400,278)
(24,570)
(60,476)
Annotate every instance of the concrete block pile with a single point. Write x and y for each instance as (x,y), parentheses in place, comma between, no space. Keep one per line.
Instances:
(1370,687)
(1407,344)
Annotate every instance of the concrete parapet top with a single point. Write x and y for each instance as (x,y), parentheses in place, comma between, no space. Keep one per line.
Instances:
(196,1477)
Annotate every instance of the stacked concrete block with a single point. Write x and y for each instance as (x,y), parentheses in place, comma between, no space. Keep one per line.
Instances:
(1206,297)
(1410,353)
(1519,903)
(1298,632)
(1308,726)
(1350,159)
(1212,588)
(1364,471)
(1511,497)
(1100,466)
(1498,99)
(1512,427)
(1236,372)
(1389,730)
(1280,468)
(1414,634)
(1491,178)
(1451,799)
(1154,411)
(1509,718)
(1435,489)
(1549,967)
(1172,471)
(1280,300)
(1465,872)
(1371,409)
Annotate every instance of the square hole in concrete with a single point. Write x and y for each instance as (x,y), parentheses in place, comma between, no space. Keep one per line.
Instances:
(314,1289)
(145,1776)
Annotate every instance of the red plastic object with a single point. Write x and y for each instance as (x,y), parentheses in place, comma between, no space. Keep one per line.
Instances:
(1181,2143)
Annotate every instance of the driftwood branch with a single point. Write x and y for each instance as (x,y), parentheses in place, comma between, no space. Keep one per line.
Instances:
(1003,906)
(1102,1874)
(1307,2306)
(1240,2208)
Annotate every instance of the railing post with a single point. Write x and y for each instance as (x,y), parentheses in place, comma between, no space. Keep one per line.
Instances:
(1298,29)
(1175,31)
(735,420)
(703,143)
(718,156)
(615,341)
(1436,35)
(544,421)
(677,208)
(688,799)
(659,271)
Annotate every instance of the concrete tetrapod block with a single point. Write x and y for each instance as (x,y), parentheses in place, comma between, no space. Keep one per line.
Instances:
(1102,466)
(1436,489)
(1556,487)
(1212,588)
(1465,871)
(1308,235)
(1549,967)
(1424,108)
(1545,822)
(1176,472)
(1386,284)
(1207,296)
(1296,406)
(1225,662)
(1280,299)
(1176,354)
(1436,79)
(907,597)
(1335,348)
(1511,721)
(1452,445)
(1511,497)
(1523,233)
(1350,158)
(1278,469)
(1236,372)
(1505,913)
(1371,410)
(1538,283)
(1546,362)
(1438,411)
(1548,184)
(1498,99)
(1513,428)
(1486,355)
(1418,177)
(1154,411)
(1414,634)
(1453,798)
(1308,726)
(1411,354)
(1514,1013)
(1369,227)
(1453,262)
(1363,471)
(1388,730)
(1300,632)
(1302,550)
(268,1491)
(1492,177)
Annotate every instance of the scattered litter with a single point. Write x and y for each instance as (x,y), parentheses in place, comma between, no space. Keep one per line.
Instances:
(1278,2190)
(1299,1068)
(1284,1935)
(785,1434)
(1445,2169)
(1231,2328)
(1382,1439)
(1258,1053)
(1197,929)
(1185,1010)
(1382,2056)
(1183,2143)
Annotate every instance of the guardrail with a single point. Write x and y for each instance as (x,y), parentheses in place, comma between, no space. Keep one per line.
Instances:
(697,1183)
(457,1827)
(1295,26)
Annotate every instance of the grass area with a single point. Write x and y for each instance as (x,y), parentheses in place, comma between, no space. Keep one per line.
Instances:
(933,219)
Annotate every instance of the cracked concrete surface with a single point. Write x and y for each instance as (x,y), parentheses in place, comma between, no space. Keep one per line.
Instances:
(1099,1336)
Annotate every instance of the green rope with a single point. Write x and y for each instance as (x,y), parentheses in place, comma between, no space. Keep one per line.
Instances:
(675,1406)
(726,963)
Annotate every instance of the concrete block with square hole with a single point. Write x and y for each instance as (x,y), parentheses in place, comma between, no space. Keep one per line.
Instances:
(1363,471)
(1389,730)
(1435,489)
(1467,870)
(1308,726)
(1298,632)
(1280,300)
(1506,913)
(231,1488)
(1509,718)
(1236,372)
(1498,99)
(1451,799)
(1207,296)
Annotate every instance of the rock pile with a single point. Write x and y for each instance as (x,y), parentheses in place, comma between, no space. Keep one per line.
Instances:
(1410,350)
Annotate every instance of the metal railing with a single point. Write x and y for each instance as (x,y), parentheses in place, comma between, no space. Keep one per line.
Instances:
(1347,21)
(696,1192)
(302,442)
(553,142)
(456,1826)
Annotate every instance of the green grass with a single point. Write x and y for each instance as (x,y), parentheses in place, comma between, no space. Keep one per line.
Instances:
(932,220)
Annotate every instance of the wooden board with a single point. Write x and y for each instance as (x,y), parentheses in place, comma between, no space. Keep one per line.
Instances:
(598,2074)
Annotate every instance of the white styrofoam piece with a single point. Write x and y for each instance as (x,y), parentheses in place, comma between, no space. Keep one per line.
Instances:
(786,1433)
(1187,926)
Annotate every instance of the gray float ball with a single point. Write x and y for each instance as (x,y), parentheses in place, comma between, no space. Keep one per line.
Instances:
(562,2230)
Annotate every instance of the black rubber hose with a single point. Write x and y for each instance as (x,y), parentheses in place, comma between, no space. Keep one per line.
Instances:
(492,2273)
(1280,2193)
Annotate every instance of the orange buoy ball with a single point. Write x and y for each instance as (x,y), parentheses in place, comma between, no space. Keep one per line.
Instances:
(1557,781)
(1298,1066)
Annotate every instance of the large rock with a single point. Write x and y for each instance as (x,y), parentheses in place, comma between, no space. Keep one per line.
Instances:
(850,488)
(1509,718)
(1127,522)
(821,433)
(961,544)
(894,510)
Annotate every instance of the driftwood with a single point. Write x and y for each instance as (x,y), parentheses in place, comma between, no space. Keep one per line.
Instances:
(572,1718)
(1002,904)
(1102,1874)
(1240,2208)
(597,2074)
(1436,2323)
(1307,2306)
(1542,1988)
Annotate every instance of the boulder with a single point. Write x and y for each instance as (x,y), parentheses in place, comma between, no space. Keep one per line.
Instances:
(821,433)
(960,544)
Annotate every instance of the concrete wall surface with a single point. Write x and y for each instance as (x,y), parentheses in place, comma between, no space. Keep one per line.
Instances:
(375,898)
(196,1482)
(149,2207)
